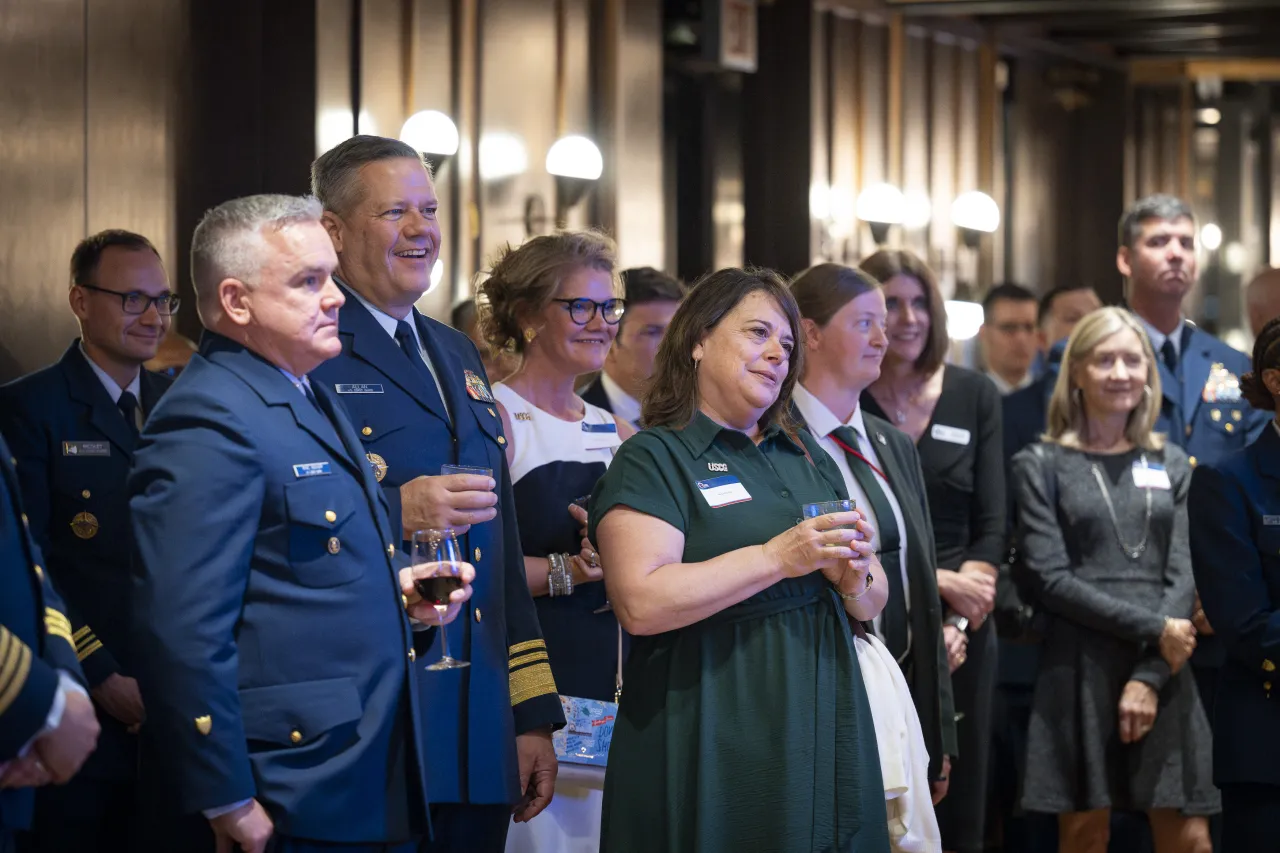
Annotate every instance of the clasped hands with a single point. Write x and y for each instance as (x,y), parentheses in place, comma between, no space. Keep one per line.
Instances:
(828,544)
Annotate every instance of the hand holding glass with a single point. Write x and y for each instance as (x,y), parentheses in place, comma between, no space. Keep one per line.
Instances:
(581,503)
(437,563)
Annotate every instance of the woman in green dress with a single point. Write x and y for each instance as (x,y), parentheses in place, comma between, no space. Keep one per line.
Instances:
(744,723)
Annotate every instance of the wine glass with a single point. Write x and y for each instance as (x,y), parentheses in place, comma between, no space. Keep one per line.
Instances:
(582,502)
(437,571)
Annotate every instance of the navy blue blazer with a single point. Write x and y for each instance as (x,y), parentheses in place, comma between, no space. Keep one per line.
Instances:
(269,633)
(35,641)
(1234,511)
(474,714)
(74,450)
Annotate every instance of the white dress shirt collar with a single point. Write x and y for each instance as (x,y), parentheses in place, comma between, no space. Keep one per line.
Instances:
(1158,338)
(114,390)
(623,404)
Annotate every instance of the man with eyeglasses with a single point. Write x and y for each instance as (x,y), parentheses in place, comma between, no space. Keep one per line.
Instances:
(419,397)
(1009,336)
(73,428)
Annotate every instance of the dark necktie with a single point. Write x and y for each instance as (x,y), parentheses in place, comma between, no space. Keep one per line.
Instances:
(1170,355)
(128,406)
(893,619)
(409,344)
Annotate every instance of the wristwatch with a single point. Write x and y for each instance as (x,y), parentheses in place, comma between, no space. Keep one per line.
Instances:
(957,621)
(850,596)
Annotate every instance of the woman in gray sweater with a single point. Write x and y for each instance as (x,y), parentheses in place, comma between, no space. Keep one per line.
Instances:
(1102,531)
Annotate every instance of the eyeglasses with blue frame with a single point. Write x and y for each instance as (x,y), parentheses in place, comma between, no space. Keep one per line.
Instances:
(583,310)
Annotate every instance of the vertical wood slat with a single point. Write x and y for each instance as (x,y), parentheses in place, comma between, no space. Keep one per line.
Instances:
(897,50)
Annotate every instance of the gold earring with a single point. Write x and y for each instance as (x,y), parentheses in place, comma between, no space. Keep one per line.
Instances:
(529,335)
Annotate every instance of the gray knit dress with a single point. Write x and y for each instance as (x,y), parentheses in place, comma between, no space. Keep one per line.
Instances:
(1106,613)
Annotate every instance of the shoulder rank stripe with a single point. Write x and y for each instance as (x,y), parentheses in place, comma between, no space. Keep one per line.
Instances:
(15,666)
(527,645)
(81,654)
(57,625)
(520,661)
(531,682)
(81,634)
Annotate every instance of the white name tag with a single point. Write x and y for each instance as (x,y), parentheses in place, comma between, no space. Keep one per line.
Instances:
(723,491)
(358,388)
(1271,521)
(1150,476)
(950,434)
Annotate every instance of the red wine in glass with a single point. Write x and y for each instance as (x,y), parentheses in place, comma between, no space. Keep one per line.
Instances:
(437,563)
(437,589)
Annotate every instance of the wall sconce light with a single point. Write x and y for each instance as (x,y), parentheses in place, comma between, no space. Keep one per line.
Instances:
(975,213)
(434,134)
(964,318)
(918,212)
(1210,236)
(576,164)
(881,206)
(502,156)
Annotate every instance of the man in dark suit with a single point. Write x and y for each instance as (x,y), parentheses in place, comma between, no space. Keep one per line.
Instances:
(73,427)
(652,299)
(417,393)
(47,723)
(271,621)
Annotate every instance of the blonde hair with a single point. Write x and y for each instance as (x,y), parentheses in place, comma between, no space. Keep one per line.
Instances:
(1067,421)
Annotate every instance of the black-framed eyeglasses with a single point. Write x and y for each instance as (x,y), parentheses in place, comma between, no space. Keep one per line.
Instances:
(582,311)
(137,302)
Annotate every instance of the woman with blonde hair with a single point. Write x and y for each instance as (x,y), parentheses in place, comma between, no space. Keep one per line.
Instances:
(1116,721)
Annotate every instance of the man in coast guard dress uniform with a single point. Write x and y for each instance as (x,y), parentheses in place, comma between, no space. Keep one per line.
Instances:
(271,619)
(47,723)
(417,393)
(1202,410)
(73,427)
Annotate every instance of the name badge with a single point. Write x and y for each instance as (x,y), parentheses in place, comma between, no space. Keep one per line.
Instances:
(950,434)
(723,491)
(612,427)
(358,388)
(1271,521)
(86,448)
(310,469)
(1150,476)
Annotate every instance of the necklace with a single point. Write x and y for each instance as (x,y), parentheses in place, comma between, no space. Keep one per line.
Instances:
(1133,552)
(900,411)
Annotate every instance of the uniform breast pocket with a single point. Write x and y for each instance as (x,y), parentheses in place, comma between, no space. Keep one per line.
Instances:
(319,515)
(486,415)
(1226,419)
(305,714)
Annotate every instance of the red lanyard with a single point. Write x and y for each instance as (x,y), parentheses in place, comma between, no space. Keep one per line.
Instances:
(849,450)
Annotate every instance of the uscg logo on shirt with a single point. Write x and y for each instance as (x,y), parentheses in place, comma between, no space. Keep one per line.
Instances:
(721,467)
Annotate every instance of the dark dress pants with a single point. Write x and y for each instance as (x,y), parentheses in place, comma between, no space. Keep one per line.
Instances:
(474,829)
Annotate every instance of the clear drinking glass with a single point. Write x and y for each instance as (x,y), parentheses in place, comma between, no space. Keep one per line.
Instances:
(582,502)
(445,470)
(814,510)
(437,571)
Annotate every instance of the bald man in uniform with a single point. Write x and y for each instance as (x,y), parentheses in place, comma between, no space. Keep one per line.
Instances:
(1262,299)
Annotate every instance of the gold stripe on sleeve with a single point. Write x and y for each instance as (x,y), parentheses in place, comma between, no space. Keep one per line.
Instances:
(527,645)
(13,673)
(531,682)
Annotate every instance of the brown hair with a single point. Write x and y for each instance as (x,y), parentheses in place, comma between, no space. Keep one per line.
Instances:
(1067,424)
(672,399)
(524,280)
(886,264)
(1266,356)
(822,290)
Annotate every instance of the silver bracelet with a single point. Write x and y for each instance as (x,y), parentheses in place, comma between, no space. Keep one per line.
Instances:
(559,577)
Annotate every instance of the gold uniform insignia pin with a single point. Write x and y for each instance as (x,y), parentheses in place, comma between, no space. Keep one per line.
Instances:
(476,389)
(85,525)
(379,466)
(204,724)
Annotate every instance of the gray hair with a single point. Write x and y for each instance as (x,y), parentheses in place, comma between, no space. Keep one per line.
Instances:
(1158,206)
(228,242)
(334,173)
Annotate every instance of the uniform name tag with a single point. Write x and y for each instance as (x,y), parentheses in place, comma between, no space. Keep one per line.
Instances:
(1271,521)
(86,448)
(310,469)
(950,434)
(586,427)
(1150,476)
(358,388)
(723,491)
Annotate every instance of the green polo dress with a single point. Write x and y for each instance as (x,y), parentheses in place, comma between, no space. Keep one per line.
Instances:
(749,731)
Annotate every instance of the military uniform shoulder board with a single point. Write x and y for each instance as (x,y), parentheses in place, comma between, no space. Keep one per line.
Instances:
(1222,386)
(476,388)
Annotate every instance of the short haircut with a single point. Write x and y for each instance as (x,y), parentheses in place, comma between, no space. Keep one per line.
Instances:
(524,280)
(646,284)
(88,252)
(463,313)
(1046,301)
(228,244)
(1007,291)
(822,290)
(334,173)
(672,398)
(887,263)
(1158,206)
